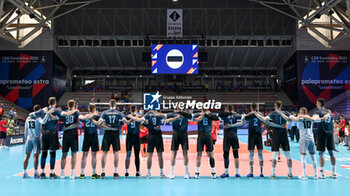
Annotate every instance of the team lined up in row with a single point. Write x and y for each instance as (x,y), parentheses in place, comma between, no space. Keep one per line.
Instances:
(41,133)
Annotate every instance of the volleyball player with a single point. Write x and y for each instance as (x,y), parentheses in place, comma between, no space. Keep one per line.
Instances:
(180,137)
(153,120)
(49,134)
(133,140)
(204,120)
(70,139)
(279,137)
(111,120)
(325,131)
(90,140)
(231,121)
(307,144)
(254,140)
(32,137)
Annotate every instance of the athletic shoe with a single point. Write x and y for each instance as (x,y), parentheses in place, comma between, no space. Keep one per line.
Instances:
(42,176)
(162,176)
(1,146)
(53,176)
(315,177)
(196,175)
(95,176)
(62,176)
(72,176)
(126,174)
(250,175)
(171,176)
(4,146)
(138,174)
(116,175)
(237,176)
(149,176)
(82,176)
(213,175)
(290,176)
(262,176)
(225,175)
(36,176)
(273,177)
(334,176)
(303,177)
(322,176)
(25,175)
(103,175)
(187,176)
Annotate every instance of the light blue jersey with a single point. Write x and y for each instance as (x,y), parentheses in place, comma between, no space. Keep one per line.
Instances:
(32,128)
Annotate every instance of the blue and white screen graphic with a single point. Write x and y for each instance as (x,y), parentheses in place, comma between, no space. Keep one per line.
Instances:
(174,59)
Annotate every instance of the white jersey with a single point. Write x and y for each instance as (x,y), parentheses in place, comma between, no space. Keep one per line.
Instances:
(305,129)
(32,128)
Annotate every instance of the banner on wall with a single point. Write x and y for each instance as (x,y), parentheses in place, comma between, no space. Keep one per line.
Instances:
(322,74)
(31,77)
(174,23)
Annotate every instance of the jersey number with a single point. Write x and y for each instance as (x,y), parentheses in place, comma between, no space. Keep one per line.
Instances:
(32,124)
(154,121)
(111,119)
(255,122)
(307,124)
(133,124)
(69,119)
(205,121)
(89,123)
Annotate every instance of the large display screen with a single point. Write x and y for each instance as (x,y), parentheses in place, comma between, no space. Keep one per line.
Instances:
(174,59)
(322,74)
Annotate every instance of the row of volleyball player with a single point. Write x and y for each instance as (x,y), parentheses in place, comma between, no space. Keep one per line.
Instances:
(42,138)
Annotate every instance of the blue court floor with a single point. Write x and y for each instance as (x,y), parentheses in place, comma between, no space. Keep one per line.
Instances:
(11,163)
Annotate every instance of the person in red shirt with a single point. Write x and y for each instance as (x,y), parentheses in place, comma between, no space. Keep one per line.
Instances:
(3,132)
(342,130)
(143,141)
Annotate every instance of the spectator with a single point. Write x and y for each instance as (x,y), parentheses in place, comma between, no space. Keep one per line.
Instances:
(342,130)
(12,112)
(2,109)
(3,131)
(206,86)
(11,125)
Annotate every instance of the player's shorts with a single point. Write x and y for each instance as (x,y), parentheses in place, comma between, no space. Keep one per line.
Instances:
(280,139)
(155,141)
(32,145)
(132,141)
(204,139)
(49,141)
(144,139)
(179,138)
(91,141)
(230,140)
(255,139)
(341,133)
(70,140)
(325,140)
(111,138)
(3,134)
(307,146)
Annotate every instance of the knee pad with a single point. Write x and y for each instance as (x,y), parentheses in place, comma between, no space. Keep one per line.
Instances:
(321,153)
(53,154)
(274,155)
(128,155)
(287,154)
(212,162)
(226,154)
(251,156)
(260,153)
(331,153)
(235,154)
(44,154)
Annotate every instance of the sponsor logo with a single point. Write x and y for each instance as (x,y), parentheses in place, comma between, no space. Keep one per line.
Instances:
(152,101)
(16,140)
